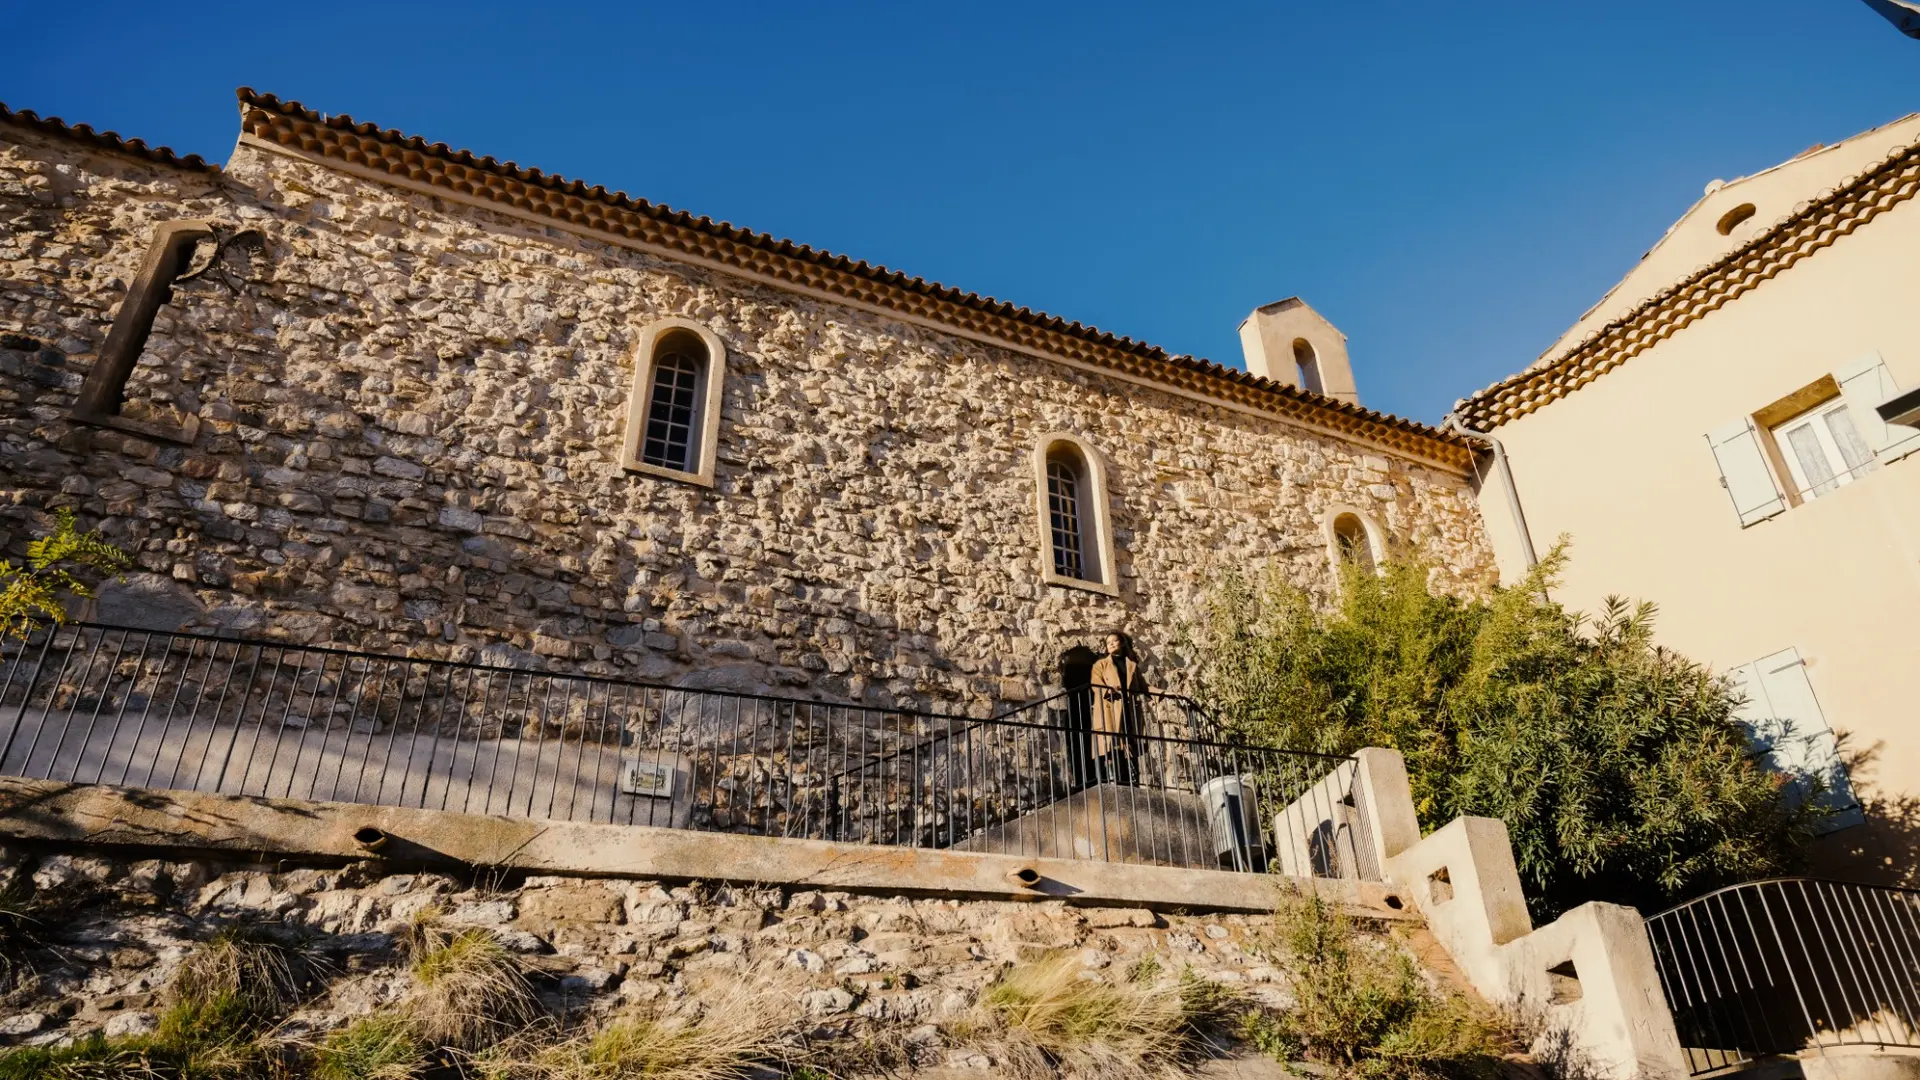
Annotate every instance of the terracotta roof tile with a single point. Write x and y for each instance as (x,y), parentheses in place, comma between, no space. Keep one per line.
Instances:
(104,140)
(409,157)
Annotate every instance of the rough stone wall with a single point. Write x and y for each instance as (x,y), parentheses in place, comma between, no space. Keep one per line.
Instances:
(852,963)
(414,412)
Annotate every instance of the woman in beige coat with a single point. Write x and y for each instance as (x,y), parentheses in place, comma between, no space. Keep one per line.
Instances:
(1116,713)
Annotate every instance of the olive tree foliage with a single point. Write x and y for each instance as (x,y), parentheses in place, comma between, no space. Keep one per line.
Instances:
(39,589)
(1618,765)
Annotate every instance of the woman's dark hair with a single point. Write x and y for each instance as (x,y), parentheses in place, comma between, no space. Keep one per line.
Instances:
(1126,641)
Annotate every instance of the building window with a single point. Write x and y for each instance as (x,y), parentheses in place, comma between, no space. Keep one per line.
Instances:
(1076,538)
(1309,363)
(1823,450)
(670,412)
(1063,517)
(673,415)
(1353,539)
(1812,442)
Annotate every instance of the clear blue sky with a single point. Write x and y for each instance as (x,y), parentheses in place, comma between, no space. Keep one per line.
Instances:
(1451,184)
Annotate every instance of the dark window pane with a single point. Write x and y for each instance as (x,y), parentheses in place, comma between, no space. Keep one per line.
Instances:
(672,413)
(1063,518)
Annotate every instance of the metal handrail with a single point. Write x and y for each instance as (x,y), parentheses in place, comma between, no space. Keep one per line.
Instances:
(1784,966)
(95,703)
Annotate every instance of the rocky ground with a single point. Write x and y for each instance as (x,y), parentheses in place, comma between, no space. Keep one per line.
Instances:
(101,938)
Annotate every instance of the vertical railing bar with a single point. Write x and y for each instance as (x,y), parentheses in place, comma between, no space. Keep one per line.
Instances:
(1893,951)
(1892,903)
(479,734)
(786,769)
(1722,937)
(140,732)
(326,730)
(559,754)
(580,754)
(47,714)
(1705,1012)
(260,729)
(373,736)
(246,695)
(1826,930)
(26,698)
(120,714)
(100,702)
(620,741)
(493,766)
(1868,951)
(358,667)
(1852,943)
(435,738)
(286,714)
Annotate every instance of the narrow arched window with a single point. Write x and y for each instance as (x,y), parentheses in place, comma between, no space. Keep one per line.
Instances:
(1354,540)
(1064,517)
(1309,363)
(673,416)
(1351,535)
(671,409)
(1076,538)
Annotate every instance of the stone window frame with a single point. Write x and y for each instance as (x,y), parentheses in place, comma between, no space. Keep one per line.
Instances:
(707,423)
(1376,537)
(1096,508)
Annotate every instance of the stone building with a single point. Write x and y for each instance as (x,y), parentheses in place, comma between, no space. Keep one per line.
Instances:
(356,387)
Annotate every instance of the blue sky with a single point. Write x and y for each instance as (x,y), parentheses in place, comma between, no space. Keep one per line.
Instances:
(1451,184)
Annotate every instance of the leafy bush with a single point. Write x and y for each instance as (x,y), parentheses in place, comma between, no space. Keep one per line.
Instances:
(1617,765)
(41,587)
(1361,1006)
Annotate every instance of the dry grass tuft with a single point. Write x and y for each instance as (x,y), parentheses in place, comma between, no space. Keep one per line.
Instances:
(379,1047)
(241,971)
(468,989)
(727,1038)
(1049,1016)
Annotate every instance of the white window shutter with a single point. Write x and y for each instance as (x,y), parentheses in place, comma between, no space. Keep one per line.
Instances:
(1744,472)
(1865,383)
(1785,719)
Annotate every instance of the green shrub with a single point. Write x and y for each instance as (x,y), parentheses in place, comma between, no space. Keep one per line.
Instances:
(1617,765)
(1361,1006)
(40,588)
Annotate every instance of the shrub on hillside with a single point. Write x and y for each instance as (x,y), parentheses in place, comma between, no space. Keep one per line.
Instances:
(1617,765)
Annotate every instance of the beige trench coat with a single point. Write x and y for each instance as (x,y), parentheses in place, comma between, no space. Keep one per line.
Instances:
(1109,708)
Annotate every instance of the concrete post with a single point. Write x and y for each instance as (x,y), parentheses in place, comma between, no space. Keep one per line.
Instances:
(1381,787)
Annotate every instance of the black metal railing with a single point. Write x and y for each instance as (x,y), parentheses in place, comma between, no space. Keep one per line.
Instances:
(1785,966)
(113,705)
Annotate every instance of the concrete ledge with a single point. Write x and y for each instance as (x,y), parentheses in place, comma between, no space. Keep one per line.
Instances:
(45,810)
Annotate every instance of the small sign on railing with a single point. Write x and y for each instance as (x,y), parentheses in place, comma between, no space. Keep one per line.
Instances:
(650,779)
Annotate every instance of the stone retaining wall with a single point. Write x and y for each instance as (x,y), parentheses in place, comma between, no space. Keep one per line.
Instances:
(853,963)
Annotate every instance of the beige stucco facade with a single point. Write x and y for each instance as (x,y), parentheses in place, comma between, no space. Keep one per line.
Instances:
(1616,455)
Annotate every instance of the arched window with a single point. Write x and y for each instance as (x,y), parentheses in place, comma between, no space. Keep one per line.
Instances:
(673,416)
(1064,518)
(1076,545)
(1354,540)
(1309,363)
